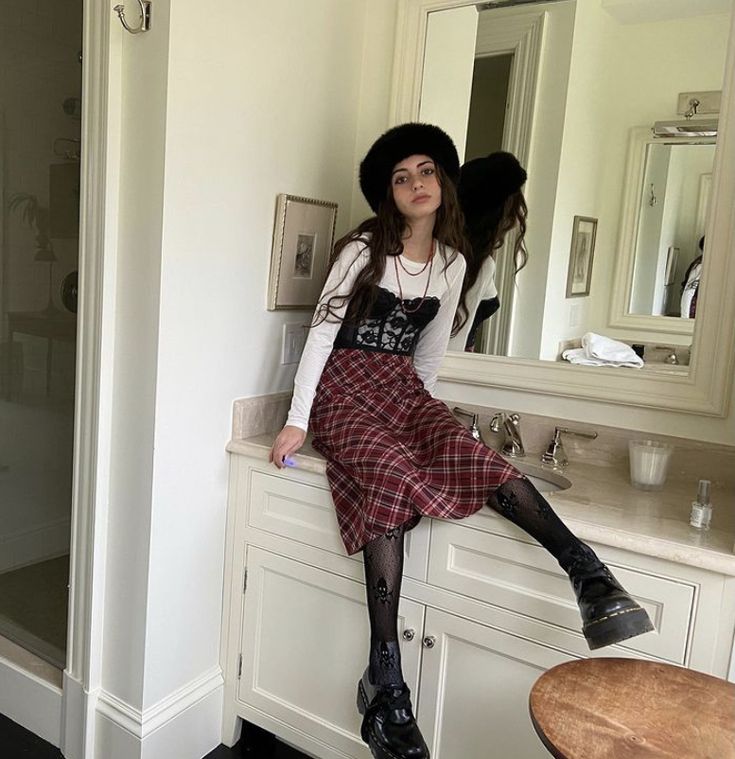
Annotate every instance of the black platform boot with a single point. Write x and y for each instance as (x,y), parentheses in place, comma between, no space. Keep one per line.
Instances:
(609,614)
(388,726)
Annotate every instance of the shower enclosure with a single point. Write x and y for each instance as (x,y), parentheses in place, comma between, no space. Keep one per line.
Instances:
(40,126)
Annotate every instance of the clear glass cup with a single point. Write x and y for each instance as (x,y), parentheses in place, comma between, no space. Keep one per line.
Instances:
(649,463)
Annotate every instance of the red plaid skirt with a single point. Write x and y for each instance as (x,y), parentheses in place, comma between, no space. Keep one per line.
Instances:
(394,453)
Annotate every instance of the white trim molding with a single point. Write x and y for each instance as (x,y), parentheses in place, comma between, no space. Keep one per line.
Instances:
(705,389)
(186,723)
(100,162)
(30,701)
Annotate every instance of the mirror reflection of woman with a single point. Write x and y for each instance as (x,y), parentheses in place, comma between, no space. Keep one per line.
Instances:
(690,285)
(493,205)
(394,453)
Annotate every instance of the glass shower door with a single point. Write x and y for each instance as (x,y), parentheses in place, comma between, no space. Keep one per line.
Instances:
(40,127)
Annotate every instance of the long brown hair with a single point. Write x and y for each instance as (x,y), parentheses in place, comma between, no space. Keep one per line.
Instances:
(489,235)
(382,235)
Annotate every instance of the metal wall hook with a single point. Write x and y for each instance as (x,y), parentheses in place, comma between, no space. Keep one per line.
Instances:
(145,17)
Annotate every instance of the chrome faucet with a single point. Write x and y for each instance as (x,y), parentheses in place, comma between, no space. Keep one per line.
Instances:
(555,456)
(474,427)
(510,425)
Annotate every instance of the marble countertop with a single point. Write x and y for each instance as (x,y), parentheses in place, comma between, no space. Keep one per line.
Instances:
(603,507)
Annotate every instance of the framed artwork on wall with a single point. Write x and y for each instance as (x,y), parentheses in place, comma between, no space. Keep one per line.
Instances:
(579,275)
(302,241)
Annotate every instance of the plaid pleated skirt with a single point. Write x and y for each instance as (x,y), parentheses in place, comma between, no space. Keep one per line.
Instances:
(394,453)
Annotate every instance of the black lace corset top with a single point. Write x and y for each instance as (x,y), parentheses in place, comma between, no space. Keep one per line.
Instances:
(388,328)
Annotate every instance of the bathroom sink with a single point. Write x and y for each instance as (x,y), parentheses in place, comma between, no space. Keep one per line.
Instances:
(544,480)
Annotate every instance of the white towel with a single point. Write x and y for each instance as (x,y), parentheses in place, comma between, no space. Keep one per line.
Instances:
(598,350)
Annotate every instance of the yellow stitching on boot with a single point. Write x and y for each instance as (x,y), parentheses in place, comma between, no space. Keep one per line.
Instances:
(610,616)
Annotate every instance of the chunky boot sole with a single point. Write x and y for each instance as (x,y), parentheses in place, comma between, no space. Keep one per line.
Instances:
(614,628)
(378,751)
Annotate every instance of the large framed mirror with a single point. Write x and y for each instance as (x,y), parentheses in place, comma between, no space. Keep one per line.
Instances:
(573,89)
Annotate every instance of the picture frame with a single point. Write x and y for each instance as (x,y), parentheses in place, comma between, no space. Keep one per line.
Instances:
(303,235)
(579,274)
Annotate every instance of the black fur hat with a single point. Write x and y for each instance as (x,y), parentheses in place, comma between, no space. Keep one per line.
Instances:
(486,183)
(401,142)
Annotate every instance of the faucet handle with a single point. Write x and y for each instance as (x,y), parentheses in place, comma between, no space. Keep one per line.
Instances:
(555,455)
(474,425)
(576,433)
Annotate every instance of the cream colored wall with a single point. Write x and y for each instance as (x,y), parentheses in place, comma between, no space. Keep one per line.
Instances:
(447,77)
(692,167)
(373,105)
(278,114)
(218,118)
(602,107)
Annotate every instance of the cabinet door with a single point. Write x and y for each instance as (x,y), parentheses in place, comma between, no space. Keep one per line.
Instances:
(305,639)
(475,683)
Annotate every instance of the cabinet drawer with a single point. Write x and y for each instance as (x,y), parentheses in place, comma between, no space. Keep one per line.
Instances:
(524,578)
(304,512)
(294,510)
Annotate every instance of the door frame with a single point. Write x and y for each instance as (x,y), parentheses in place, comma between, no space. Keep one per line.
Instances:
(98,228)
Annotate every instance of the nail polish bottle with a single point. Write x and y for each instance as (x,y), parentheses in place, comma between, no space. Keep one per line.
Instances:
(701,515)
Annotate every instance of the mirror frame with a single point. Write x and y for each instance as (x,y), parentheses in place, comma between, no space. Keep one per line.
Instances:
(705,389)
(620,316)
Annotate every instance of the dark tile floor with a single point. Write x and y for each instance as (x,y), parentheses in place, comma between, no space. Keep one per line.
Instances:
(18,743)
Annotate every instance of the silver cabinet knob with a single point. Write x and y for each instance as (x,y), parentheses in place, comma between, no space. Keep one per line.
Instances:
(429,641)
(409,634)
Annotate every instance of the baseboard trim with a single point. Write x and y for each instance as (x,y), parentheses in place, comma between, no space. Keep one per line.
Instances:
(31,701)
(188,719)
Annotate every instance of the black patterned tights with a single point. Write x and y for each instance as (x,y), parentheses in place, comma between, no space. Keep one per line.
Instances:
(383,574)
(518,501)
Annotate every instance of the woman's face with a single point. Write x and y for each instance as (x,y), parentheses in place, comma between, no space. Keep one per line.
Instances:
(416,189)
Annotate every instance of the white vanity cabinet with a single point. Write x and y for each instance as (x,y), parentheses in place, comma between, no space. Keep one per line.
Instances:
(484,612)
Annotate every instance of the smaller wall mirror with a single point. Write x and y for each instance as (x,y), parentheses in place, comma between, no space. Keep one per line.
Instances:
(665,212)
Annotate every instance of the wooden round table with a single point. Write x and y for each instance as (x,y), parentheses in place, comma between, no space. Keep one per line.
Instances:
(628,709)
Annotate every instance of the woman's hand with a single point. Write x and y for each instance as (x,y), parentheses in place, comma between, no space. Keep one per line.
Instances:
(289,440)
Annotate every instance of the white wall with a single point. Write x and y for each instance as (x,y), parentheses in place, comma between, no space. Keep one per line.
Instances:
(693,164)
(219,118)
(653,224)
(138,287)
(449,61)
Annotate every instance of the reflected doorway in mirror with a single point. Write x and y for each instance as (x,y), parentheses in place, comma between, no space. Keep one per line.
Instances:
(579,276)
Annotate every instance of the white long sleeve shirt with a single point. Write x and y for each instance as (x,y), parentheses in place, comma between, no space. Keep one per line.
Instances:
(483,289)
(445,285)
